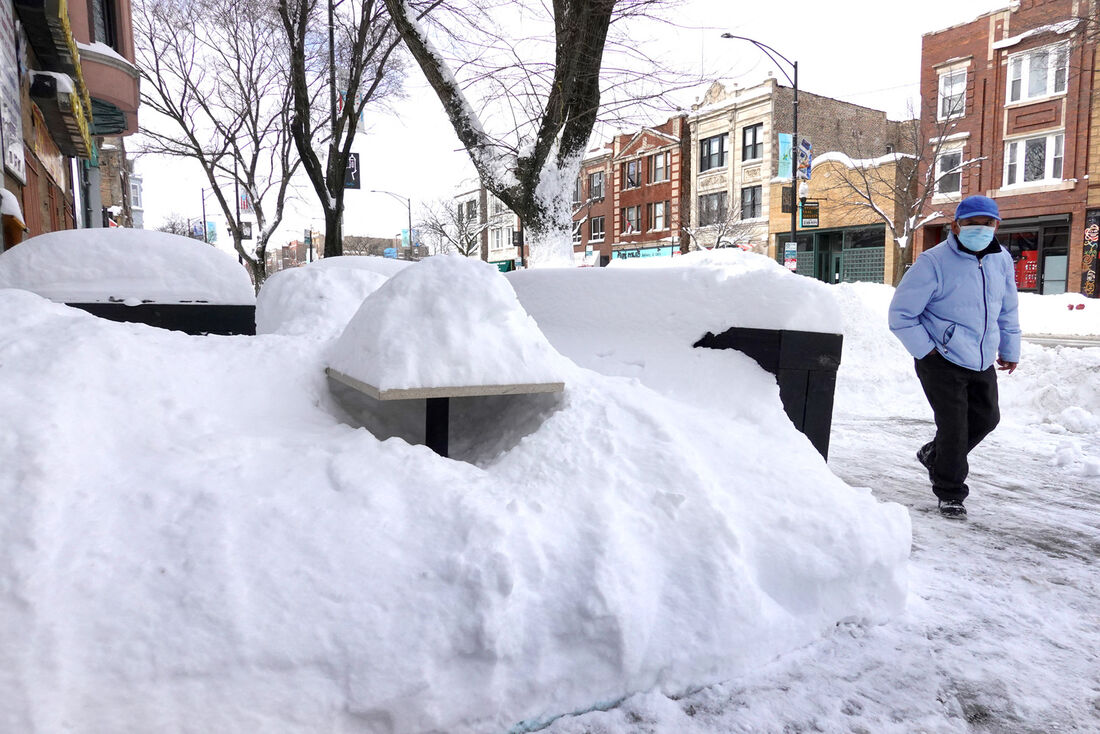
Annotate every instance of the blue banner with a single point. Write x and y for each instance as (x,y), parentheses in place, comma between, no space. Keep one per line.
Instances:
(784,155)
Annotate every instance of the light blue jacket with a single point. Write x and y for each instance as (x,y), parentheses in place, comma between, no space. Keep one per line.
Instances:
(962,305)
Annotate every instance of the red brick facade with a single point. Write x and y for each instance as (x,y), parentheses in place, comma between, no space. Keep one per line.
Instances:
(1023,132)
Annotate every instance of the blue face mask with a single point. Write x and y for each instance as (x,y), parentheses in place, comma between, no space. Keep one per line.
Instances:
(975,237)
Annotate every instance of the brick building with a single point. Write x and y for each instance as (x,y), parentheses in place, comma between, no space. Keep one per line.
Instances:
(593,219)
(649,192)
(67,79)
(736,159)
(1010,94)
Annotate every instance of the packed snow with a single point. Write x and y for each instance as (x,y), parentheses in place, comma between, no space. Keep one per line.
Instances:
(124,265)
(197,537)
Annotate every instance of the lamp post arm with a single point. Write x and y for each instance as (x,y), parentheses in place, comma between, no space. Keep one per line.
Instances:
(772,54)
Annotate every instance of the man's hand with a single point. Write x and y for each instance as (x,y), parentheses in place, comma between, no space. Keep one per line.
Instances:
(1003,365)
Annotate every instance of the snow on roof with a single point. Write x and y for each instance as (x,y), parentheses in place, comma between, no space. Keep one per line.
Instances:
(9,204)
(124,265)
(445,322)
(103,49)
(848,161)
(64,81)
(1061,28)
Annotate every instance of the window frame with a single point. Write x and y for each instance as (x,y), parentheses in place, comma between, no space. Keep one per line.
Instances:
(938,185)
(708,215)
(1023,59)
(593,188)
(756,197)
(636,222)
(660,174)
(706,159)
(626,181)
(960,110)
(1015,160)
(592,229)
(757,144)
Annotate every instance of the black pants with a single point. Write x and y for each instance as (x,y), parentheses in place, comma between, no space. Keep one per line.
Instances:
(964,403)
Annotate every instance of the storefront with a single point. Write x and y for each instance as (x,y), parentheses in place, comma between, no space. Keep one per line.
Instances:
(632,252)
(843,255)
(1040,251)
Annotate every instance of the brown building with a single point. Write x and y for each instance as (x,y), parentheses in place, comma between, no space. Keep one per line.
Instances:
(78,84)
(592,213)
(649,193)
(1009,96)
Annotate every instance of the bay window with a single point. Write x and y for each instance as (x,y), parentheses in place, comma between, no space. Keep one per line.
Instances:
(1034,160)
(1038,73)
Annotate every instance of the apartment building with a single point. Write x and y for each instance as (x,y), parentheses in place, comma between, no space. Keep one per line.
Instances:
(1010,94)
(593,220)
(736,180)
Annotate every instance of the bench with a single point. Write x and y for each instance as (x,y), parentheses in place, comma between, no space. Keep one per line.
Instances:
(437,401)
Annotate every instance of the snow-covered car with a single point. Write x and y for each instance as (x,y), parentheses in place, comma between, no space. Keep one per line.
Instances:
(135,275)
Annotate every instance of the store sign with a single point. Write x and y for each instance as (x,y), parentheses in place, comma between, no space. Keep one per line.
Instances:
(811,213)
(642,252)
(790,255)
(1090,261)
(11,116)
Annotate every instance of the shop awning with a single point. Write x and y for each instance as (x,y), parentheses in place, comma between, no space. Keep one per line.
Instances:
(46,23)
(107,119)
(55,95)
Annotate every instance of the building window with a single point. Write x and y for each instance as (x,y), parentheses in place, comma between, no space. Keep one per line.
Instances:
(135,195)
(1038,73)
(498,206)
(632,219)
(712,152)
(500,238)
(658,167)
(595,229)
(1034,160)
(471,211)
(750,202)
(578,191)
(752,142)
(632,174)
(104,22)
(595,185)
(577,232)
(948,173)
(658,214)
(952,94)
(712,208)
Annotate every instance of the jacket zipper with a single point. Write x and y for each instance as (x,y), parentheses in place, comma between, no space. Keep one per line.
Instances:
(985,321)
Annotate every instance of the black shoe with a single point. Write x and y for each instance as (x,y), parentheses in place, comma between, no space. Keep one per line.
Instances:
(926,456)
(952,509)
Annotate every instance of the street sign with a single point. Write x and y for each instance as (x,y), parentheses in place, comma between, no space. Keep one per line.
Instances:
(805,158)
(790,255)
(351,174)
(811,213)
(246,230)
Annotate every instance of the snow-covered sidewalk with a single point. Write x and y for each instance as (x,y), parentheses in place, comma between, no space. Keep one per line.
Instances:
(1001,633)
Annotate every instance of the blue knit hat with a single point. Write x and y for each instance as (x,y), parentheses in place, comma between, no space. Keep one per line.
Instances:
(977,206)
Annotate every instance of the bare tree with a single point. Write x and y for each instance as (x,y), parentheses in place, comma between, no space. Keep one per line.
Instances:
(449,228)
(360,42)
(544,95)
(176,223)
(216,70)
(728,229)
(898,188)
(377,246)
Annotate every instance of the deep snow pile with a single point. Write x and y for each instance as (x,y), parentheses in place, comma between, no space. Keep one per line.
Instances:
(453,346)
(125,265)
(320,298)
(193,541)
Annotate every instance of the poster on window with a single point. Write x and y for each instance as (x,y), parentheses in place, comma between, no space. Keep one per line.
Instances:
(11,117)
(1090,260)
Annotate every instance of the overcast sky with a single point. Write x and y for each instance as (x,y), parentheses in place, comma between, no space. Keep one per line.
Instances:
(862,51)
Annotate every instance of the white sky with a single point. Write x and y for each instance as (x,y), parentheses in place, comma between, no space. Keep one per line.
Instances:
(862,51)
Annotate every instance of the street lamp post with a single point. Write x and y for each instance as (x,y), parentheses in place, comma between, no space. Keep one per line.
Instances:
(776,57)
(408,205)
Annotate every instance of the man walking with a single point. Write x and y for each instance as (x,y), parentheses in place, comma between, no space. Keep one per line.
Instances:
(956,312)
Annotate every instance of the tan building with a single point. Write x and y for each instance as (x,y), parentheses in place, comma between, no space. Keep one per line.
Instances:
(840,238)
(735,139)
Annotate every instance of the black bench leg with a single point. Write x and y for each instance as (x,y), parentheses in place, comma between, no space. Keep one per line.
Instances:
(437,418)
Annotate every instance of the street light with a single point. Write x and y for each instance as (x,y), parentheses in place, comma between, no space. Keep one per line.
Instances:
(776,57)
(408,205)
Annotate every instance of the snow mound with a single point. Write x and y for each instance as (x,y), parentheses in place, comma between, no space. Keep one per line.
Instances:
(1065,314)
(319,298)
(192,541)
(731,259)
(124,265)
(446,322)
